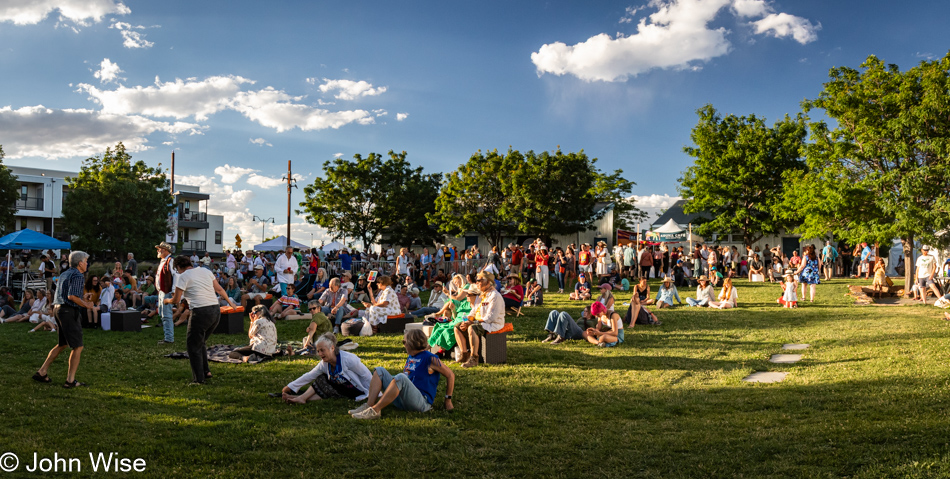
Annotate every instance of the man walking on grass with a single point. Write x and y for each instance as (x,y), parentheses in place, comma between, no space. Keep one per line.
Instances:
(68,307)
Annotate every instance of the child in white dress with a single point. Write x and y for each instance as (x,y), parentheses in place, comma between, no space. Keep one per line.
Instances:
(789,298)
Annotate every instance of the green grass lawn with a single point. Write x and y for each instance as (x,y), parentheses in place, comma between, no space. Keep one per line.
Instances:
(869,399)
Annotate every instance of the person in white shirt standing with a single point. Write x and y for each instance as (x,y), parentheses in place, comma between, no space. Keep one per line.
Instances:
(926,268)
(231,263)
(286,269)
(199,288)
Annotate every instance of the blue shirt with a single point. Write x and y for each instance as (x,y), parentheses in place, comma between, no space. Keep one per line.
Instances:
(346,262)
(417,368)
(70,284)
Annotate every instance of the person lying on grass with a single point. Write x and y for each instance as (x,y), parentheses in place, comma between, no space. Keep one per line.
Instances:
(414,388)
(609,329)
(562,327)
(339,374)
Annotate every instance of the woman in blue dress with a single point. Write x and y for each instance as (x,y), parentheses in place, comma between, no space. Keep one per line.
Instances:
(809,272)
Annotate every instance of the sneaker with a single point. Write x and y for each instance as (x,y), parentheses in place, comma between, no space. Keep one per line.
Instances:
(336,330)
(551,337)
(463,357)
(559,340)
(361,408)
(368,413)
(471,363)
(162,341)
(31,331)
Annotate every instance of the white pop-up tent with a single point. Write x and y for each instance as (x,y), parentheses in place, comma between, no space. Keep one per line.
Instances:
(332,246)
(278,244)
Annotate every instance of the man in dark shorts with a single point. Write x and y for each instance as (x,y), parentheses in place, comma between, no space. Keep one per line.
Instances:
(68,304)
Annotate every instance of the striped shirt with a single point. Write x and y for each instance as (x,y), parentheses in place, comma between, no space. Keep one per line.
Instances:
(70,284)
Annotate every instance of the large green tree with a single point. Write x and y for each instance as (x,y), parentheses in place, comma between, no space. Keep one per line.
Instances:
(117,206)
(546,194)
(365,197)
(736,176)
(473,197)
(883,171)
(9,194)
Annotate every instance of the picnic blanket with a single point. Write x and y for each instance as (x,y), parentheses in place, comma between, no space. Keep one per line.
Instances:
(219,353)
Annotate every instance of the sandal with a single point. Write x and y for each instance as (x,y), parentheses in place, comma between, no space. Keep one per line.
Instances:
(74,384)
(44,378)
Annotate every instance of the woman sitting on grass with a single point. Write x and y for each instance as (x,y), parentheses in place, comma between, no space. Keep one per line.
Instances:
(443,334)
(638,314)
(643,291)
(45,319)
(704,293)
(24,312)
(181,313)
(666,294)
(606,297)
(728,296)
(262,335)
(339,374)
(40,307)
(609,329)
(413,389)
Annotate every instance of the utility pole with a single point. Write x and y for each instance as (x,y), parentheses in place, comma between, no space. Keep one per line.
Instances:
(291,183)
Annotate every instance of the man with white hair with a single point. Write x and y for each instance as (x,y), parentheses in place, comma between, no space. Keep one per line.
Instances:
(286,268)
(132,265)
(68,304)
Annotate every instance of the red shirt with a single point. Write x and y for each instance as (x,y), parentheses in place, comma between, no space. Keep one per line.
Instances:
(583,258)
(529,259)
(516,256)
(541,259)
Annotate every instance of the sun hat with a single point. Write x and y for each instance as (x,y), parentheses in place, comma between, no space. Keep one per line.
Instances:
(703,278)
(606,286)
(666,279)
(258,267)
(473,290)
(164,245)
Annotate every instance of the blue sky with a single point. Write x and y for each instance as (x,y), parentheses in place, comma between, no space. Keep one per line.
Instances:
(237,88)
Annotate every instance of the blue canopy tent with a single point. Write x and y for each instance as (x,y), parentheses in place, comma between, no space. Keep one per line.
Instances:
(29,239)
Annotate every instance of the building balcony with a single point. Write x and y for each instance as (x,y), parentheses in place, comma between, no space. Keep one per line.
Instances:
(31,203)
(193,247)
(192,219)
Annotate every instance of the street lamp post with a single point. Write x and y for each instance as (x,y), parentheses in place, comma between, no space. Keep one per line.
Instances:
(263,222)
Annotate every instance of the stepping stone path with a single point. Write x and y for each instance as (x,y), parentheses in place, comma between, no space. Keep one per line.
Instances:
(775,377)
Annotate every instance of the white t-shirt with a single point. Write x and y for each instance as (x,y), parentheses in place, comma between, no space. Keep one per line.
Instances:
(283,262)
(197,285)
(925,265)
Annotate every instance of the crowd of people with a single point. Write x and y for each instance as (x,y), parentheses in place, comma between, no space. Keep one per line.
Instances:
(462,307)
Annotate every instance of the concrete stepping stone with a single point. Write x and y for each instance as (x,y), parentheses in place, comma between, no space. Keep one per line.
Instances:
(785,358)
(795,347)
(765,377)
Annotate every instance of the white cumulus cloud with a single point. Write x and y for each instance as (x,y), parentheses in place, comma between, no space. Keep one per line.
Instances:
(37,131)
(676,36)
(401,116)
(231,174)
(131,37)
(349,89)
(31,12)
(175,99)
(107,72)
(654,205)
(278,110)
(260,142)
(782,25)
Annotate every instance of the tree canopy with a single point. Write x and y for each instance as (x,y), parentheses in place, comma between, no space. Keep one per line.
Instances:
(737,172)
(117,205)
(883,170)
(365,197)
(9,194)
(546,194)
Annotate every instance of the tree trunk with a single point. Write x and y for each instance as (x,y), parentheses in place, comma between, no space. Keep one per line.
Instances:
(908,244)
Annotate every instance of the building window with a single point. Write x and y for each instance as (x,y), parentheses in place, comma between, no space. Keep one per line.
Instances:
(217,237)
